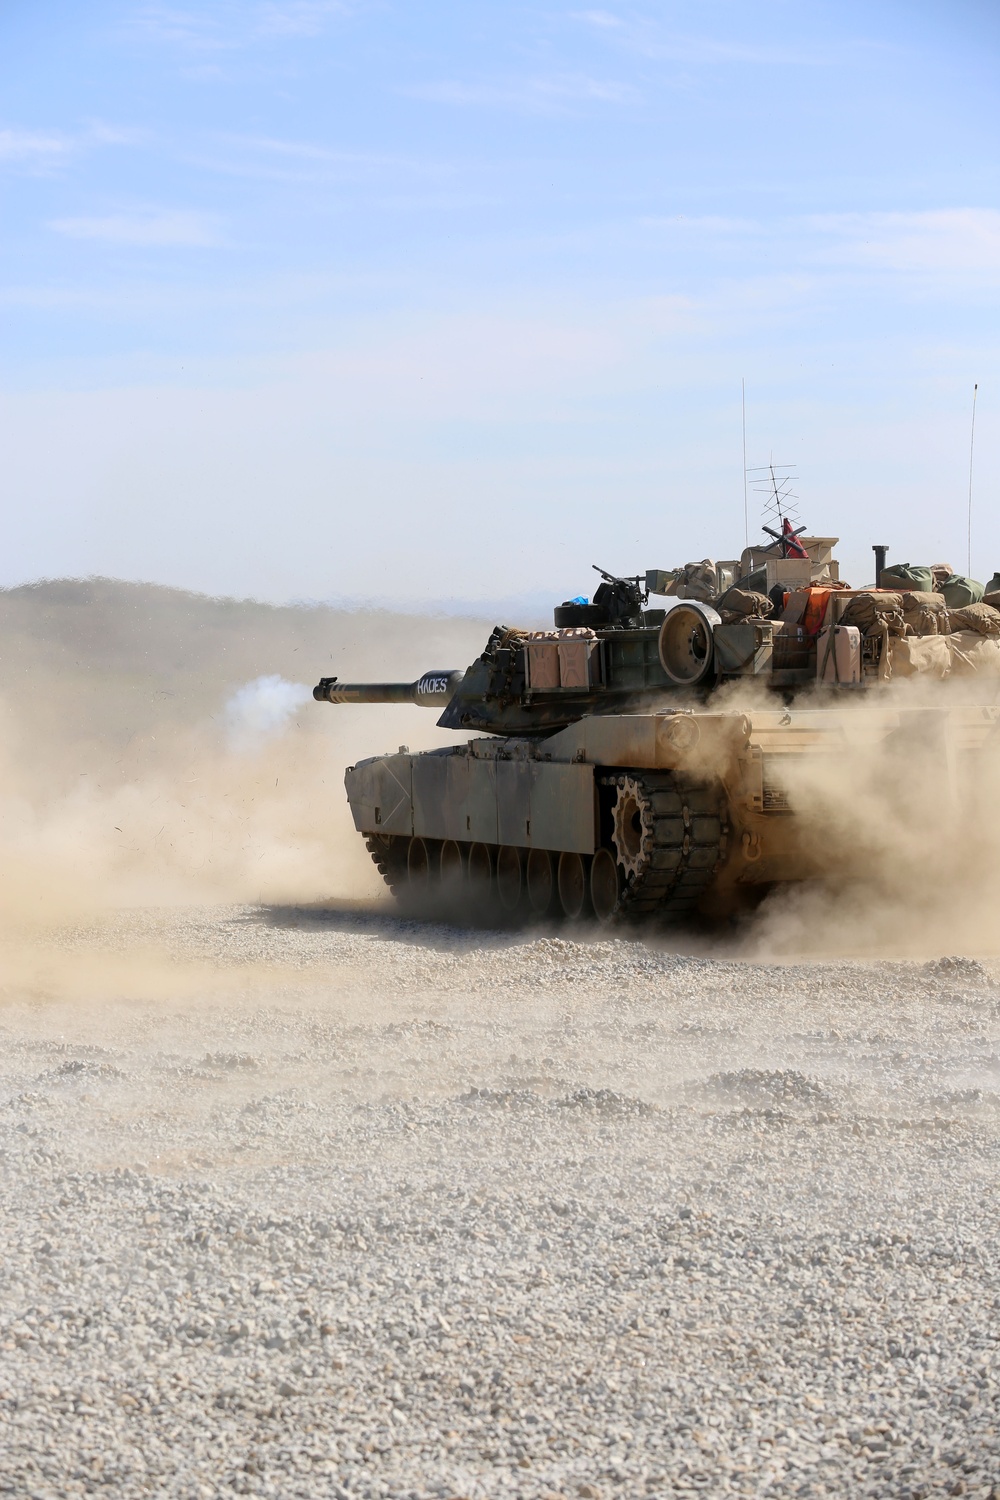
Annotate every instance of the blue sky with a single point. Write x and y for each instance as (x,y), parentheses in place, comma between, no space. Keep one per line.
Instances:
(435,302)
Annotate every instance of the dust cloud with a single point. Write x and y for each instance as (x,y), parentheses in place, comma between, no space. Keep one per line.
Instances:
(898,817)
(159,747)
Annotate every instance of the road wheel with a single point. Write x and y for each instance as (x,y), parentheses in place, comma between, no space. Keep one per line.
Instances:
(451,873)
(604,886)
(418,866)
(573,886)
(480,884)
(452,864)
(541,882)
(510,878)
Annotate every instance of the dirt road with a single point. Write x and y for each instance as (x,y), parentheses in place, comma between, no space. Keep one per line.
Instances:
(312,1202)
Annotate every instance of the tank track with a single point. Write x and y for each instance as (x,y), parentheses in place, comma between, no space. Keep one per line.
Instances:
(389,855)
(684,831)
(684,837)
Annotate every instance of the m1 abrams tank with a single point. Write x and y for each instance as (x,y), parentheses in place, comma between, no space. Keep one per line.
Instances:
(639,763)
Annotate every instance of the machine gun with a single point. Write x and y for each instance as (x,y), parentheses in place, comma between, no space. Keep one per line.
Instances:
(621,599)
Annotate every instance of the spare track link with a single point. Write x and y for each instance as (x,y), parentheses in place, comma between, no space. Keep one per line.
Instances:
(684,841)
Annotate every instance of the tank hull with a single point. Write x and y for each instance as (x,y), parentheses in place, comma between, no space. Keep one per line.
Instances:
(699,811)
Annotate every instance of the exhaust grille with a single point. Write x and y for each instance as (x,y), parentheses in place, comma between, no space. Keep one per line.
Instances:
(774,793)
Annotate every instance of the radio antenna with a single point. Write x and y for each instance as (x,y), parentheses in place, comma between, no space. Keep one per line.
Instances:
(746,513)
(773,483)
(972,445)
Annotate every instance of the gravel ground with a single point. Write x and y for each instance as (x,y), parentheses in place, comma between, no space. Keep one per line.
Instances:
(319,1203)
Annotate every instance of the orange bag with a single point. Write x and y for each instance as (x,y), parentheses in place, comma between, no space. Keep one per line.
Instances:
(815,611)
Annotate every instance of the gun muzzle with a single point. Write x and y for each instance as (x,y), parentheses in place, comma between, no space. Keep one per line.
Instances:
(432,690)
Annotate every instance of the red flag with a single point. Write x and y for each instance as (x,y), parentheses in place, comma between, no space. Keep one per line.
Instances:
(793,547)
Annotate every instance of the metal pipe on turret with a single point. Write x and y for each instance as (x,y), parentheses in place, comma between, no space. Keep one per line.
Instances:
(880,555)
(432,690)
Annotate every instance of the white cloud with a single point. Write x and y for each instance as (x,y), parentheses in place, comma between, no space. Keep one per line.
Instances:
(273,159)
(43,150)
(945,245)
(325,156)
(701,50)
(34,146)
(651,40)
(540,95)
(308,150)
(937,240)
(297,18)
(708,224)
(202,72)
(179,28)
(602,18)
(100,133)
(173,228)
(232,26)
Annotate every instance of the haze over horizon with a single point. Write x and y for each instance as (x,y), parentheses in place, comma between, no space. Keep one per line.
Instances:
(337,300)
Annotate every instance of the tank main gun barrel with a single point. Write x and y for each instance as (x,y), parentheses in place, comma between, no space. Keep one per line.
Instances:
(432,690)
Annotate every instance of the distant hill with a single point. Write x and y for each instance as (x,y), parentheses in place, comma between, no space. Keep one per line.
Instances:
(150,645)
(100,663)
(127,775)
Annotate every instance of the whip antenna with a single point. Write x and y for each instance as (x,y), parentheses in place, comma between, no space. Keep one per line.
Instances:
(746,515)
(972,445)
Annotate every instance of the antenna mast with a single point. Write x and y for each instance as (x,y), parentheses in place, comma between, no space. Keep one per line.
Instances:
(972,444)
(774,484)
(746,513)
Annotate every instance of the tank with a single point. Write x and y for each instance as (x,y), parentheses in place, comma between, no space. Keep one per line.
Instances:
(647,763)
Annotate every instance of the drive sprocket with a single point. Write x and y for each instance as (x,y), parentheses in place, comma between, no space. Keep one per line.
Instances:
(632,830)
(669,835)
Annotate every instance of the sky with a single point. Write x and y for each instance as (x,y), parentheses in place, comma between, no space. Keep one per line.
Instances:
(442,304)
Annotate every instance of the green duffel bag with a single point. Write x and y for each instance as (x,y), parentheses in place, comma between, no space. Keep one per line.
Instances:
(959,591)
(907,578)
(993,587)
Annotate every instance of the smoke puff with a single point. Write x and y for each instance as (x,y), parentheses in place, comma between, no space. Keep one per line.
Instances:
(260,710)
(121,782)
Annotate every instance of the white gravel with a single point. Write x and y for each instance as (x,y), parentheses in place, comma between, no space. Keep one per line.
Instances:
(318,1203)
